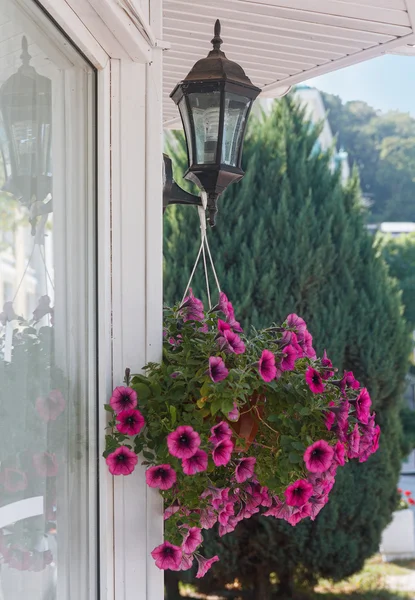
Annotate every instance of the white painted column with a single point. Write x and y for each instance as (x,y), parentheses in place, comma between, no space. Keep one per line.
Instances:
(136,141)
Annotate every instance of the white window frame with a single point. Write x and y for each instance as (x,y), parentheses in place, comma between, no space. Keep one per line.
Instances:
(129,250)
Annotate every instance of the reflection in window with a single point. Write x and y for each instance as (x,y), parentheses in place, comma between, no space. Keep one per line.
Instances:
(47,456)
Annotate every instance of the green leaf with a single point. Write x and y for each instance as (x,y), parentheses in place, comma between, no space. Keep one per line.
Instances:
(227,406)
(108,407)
(273,418)
(155,388)
(148,455)
(204,390)
(173,414)
(298,446)
(215,406)
(294,458)
(142,390)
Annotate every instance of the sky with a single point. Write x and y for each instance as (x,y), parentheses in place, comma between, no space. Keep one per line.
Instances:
(385,83)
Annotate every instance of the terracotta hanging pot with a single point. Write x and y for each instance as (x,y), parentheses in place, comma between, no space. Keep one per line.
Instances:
(248,424)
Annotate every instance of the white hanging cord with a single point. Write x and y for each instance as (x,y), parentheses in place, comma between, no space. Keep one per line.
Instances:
(213,266)
(192,273)
(202,218)
(203,242)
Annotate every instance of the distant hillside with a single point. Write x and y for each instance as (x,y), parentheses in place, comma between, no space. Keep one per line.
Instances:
(382,146)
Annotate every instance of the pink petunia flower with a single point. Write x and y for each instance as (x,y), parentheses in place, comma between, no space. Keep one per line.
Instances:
(354,443)
(196,463)
(321,482)
(192,540)
(175,341)
(318,457)
(170,511)
(317,503)
(122,461)
(14,480)
(314,381)
(223,303)
(225,513)
(245,469)
(123,398)
(376,437)
(222,453)
(186,562)
(299,513)
(349,380)
(234,414)
(167,556)
(45,464)
(289,357)
(208,519)
(363,404)
(183,442)
(328,366)
(339,454)
(51,407)
(297,323)
(217,369)
(233,343)
(307,345)
(266,366)
(131,421)
(204,565)
(279,510)
(192,308)
(220,432)
(161,476)
(330,416)
(223,326)
(298,493)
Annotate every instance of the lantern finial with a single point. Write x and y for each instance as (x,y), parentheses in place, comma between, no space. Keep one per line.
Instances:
(25,56)
(217,41)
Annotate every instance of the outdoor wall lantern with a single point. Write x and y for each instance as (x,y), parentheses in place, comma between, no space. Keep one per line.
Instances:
(214,102)
(26,136)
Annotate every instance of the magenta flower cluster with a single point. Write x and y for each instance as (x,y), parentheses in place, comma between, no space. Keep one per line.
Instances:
(221,389)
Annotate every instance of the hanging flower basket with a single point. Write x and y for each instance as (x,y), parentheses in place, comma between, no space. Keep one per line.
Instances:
(229,425)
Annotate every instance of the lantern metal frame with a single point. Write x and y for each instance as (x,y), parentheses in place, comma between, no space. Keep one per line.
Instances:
(215,73)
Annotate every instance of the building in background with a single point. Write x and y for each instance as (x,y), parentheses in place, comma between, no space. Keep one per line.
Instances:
(391,228)
(310,98)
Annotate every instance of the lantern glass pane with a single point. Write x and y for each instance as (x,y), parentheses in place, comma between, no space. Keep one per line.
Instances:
(205,109)
(187,128)
(236,110)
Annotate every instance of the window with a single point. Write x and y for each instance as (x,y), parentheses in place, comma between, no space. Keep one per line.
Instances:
(48,456)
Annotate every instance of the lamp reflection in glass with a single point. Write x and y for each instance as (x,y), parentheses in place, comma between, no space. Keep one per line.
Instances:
(26,111)
(214,102)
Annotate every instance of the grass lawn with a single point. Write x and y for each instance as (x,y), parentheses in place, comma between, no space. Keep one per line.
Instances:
(369,584)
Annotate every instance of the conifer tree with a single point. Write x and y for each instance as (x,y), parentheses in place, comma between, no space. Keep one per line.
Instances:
(290,238)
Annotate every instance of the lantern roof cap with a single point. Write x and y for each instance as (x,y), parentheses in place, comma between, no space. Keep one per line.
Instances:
(217,67)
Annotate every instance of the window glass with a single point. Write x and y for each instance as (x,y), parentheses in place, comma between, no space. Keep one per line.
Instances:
(47,305)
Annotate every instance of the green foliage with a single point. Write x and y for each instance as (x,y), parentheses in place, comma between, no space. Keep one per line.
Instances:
(382,146)
(399,253)
(290,238)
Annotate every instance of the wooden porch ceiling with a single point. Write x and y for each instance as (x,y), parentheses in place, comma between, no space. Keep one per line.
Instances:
(283,42)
